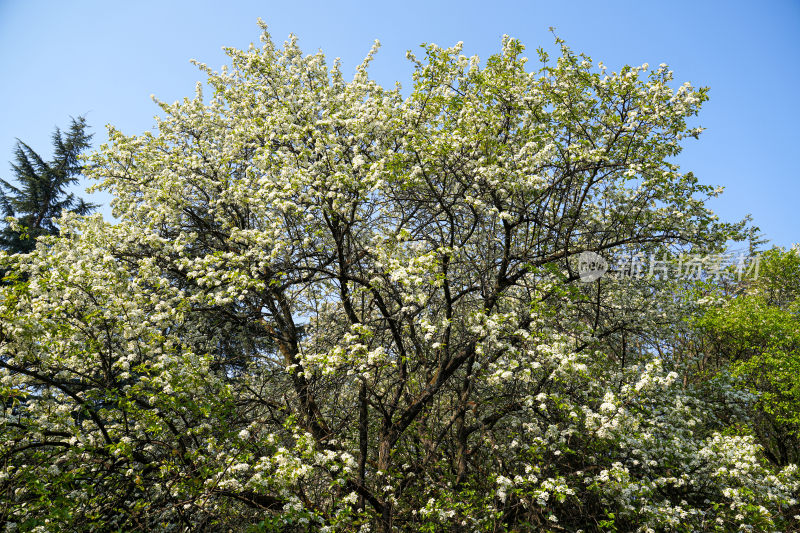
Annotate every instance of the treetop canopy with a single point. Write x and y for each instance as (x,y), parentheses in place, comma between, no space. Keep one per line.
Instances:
(333,307)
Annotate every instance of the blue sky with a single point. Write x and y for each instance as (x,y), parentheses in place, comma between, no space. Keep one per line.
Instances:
(104,59)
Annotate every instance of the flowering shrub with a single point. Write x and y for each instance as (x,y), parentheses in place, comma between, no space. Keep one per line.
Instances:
(327,307)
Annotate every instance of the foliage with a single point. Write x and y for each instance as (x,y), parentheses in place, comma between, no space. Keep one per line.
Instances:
(40,195)
(327,307)
(754,332)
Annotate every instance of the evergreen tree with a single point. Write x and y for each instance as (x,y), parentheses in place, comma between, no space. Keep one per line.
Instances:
(41,191)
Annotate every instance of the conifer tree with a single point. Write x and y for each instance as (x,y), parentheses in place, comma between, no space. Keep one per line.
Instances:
(41,192)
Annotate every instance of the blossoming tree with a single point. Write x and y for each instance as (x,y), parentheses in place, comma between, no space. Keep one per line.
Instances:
(330,307)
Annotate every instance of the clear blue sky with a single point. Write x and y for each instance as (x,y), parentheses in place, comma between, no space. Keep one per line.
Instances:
(104,59)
